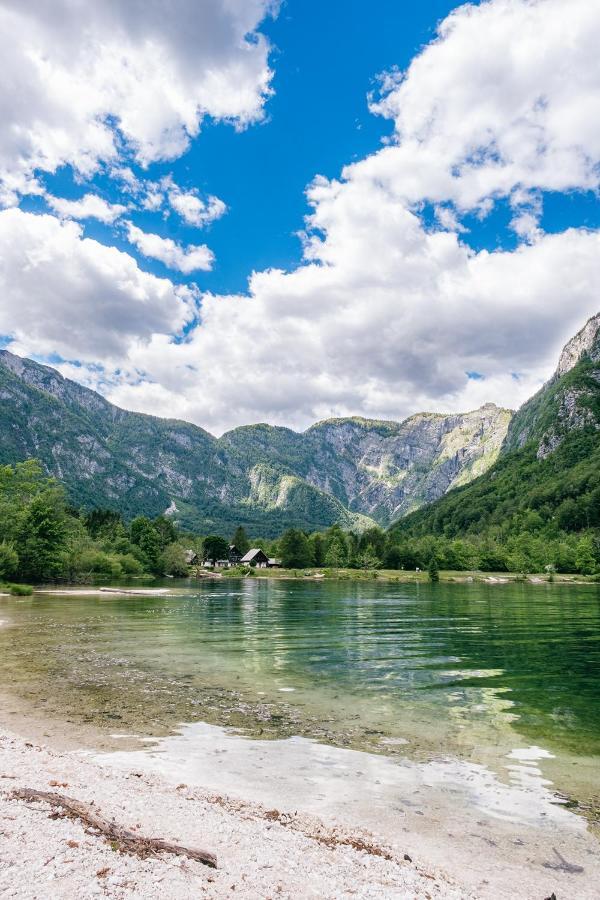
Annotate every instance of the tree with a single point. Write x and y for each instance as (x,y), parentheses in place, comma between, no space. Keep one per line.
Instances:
(174,560)
(215,547)
(368,559)
(145,535)
(433,570)
(318,548)
(585,559)
(165,530)
(374,538)
(102,522)
(9,560)
(42,536)
(393,558)
(295,550)
(336,555)
(240,540)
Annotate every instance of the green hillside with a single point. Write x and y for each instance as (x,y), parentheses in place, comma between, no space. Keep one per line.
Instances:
(350,472)
(539,504)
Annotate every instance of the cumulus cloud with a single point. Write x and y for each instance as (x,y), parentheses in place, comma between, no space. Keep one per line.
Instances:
(90,206)
(507,98)
(392,326)
(192,208)
(62,293)
(189,205)
(184,259)
(83,81)
(386,316)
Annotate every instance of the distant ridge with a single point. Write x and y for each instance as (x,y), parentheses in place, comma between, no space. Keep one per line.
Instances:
(351,471)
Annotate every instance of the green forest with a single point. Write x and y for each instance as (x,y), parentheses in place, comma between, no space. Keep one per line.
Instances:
(525,515)
(43,538)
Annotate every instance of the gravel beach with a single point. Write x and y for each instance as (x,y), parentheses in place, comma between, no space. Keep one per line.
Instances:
(261,853)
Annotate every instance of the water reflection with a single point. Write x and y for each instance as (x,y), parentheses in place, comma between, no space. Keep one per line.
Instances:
(365,661)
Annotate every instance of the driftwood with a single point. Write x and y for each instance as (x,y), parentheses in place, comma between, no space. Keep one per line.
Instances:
(123,839)
(137,592)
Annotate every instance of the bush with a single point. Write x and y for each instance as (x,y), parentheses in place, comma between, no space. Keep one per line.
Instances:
(9,560)
(174,561)
(20,590)
(129,564)
(101,563)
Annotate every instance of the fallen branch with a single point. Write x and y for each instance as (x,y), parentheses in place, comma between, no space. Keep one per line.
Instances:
(124,840)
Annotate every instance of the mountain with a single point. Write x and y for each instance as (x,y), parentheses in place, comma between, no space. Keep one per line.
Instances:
(548,473)
(352,471)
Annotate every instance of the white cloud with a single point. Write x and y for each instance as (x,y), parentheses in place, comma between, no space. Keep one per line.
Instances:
(90,206)
(390,327)
(82,79)
(192,208)
(386,317)
(507,98)
(62,293)
(184,259)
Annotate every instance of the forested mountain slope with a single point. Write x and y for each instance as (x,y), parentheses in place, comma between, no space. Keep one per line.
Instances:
(547,478)
(347,471)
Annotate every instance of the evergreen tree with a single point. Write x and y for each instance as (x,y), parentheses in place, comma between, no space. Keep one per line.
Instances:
(215,548)
(41,539)
(336,556)
(318,548)
(240,540)
(295,550)
(433,570)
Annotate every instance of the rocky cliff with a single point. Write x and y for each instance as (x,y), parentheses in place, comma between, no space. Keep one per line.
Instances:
(567,402)
(547,476)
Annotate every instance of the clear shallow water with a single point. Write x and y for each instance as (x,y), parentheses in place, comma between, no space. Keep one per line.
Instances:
(469,670)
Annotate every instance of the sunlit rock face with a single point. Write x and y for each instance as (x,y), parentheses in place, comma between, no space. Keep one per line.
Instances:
(569,401)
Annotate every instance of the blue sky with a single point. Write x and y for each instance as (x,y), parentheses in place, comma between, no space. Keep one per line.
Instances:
(453,241)
(317,121)
(325,63)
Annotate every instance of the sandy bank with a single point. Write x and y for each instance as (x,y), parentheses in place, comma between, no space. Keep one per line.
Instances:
(260,853)
(103,591)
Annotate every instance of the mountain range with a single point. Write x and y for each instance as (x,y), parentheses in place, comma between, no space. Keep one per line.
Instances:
(351,471)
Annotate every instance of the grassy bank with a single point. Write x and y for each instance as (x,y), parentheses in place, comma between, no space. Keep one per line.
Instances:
(407,577)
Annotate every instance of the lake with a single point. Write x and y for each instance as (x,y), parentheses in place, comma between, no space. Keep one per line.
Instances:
(400,670)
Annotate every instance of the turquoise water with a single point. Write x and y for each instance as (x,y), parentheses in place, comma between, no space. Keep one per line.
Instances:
(388,667)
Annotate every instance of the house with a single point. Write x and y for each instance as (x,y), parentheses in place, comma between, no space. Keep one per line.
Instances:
(255,557)
(191,558)
(273,563)
(235,557)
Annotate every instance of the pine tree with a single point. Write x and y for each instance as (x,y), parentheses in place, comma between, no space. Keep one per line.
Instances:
(433,570)
(240,540)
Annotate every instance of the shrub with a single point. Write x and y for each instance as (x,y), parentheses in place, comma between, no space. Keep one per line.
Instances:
(21,590)
(9,560)
(129,564)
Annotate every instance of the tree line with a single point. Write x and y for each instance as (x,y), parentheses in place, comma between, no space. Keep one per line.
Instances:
(43,538)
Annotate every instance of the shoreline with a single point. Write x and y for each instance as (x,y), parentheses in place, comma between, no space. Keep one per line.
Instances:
(344,575)
(261,852)
(290,818)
